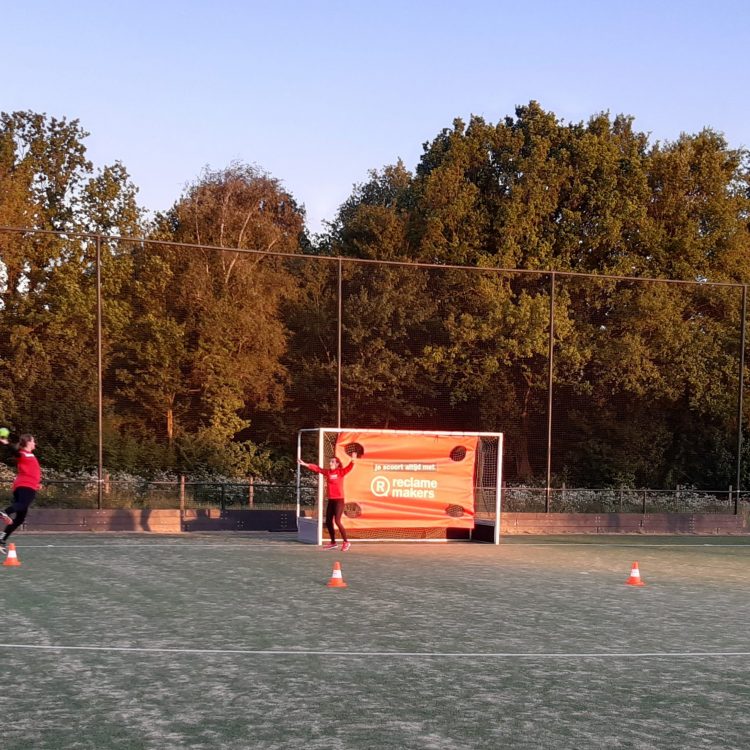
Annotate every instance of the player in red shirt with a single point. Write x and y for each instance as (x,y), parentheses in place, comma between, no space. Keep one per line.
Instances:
(335,508)
(25,486)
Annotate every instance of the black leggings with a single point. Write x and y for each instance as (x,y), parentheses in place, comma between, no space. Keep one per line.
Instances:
(22,498)
(334,510)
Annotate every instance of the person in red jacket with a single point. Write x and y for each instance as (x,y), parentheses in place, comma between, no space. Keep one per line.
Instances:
(25,486)
(335,508)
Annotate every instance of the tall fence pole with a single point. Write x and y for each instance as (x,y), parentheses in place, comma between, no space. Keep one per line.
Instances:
(99,374)
(740,397)
(550,363)
(338,328)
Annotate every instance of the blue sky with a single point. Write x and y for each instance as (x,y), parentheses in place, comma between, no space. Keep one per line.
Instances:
(318,92)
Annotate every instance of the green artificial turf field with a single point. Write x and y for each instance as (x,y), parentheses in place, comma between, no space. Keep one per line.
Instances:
(222,641)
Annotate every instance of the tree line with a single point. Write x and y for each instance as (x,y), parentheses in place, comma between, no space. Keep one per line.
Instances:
(213,357)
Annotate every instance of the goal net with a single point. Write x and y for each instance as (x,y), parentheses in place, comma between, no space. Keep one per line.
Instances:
(404,485)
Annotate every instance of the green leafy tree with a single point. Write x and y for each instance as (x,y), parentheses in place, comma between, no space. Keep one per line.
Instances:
(387,310)
(224,338)
(532,192)
(49,292)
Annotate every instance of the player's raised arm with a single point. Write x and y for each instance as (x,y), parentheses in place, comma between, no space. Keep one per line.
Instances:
(312,467)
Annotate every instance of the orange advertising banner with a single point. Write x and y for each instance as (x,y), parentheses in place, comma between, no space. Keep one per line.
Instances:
(408,481)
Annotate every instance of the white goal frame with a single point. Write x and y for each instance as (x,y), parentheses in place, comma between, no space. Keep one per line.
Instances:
(311,529)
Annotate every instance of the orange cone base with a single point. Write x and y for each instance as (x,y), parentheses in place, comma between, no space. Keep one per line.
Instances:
(12,561)
(635,577)
(336,580)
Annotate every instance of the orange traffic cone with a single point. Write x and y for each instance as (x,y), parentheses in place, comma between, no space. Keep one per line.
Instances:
(336,580)
(635,576)
(12,559)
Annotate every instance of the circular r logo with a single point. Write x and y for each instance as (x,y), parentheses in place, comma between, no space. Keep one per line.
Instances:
(380,486)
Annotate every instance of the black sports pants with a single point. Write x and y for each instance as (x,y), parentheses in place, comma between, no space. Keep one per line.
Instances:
(22,499)
(334,511)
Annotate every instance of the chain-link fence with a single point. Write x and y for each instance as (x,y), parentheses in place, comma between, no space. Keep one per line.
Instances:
(154,360)
(79,493)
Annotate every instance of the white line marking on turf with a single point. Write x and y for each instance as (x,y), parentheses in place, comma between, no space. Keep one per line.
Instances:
(175,545)
(380,654)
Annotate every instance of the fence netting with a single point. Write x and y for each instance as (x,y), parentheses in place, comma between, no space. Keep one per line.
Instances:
(213,359)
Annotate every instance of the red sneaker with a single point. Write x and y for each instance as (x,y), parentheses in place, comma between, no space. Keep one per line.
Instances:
(5,518)
(331,545)
(345,546)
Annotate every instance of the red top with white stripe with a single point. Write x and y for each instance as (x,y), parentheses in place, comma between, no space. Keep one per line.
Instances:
(29,471)
(335,479)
